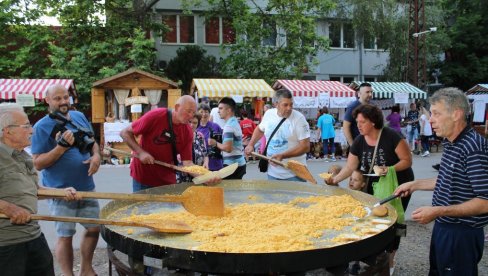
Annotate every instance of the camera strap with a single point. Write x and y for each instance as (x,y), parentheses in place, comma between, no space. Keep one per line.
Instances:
(172,139)
(271,136)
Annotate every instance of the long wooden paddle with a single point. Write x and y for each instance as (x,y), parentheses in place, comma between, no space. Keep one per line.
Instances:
(197,200)
(297,168)
(162,226)
(161,163)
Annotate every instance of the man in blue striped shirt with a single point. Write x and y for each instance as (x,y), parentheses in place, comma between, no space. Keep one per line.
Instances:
(231,146)
(460,200)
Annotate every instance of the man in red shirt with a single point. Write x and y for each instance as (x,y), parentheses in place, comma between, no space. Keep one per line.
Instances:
(247,127)
(155,143)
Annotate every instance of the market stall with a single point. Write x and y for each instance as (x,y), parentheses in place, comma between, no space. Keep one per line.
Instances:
(479,96)
(388,94)
(25,91)
(120,99)
(309,96)
(251,91)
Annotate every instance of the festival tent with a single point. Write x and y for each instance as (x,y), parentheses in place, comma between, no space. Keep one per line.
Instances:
(10,88)
(479,95)
(387,94)
(238,89)
(316,94)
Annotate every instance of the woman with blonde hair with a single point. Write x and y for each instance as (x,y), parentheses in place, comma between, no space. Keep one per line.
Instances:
(425,131)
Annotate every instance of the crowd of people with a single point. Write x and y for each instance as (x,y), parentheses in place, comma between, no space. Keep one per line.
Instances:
(191,134)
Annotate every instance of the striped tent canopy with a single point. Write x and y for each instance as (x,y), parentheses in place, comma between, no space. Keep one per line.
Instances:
(9,88)
(217,88)
(385,90)
(478,89)
(312,88)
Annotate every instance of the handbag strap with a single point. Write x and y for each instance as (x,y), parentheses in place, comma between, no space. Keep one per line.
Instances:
(374,153)
(271,136)
(172,139)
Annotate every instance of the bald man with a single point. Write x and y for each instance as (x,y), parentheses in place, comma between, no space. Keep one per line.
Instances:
(63,163)
(164,134)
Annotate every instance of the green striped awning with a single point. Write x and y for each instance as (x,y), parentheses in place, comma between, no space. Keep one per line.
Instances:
(385,90)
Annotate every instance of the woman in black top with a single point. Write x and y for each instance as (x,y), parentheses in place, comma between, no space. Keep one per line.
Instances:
(392,149)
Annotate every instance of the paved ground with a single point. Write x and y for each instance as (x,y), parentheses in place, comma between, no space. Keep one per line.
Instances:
(412,257)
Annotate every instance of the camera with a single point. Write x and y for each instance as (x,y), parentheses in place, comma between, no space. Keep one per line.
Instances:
(83,137)
(214,152)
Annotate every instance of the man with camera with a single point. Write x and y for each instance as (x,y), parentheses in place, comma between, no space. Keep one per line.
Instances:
(66,154)
(231,145)
(287,134)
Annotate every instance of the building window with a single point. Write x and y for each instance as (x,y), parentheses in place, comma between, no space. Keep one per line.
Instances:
(348,38)
(343,79)
(228,32)
(212,31)
(369,79)
(341,35)
(347,80)
(369,41)
(270,27)
(182,29)
(335,34)
(219,30)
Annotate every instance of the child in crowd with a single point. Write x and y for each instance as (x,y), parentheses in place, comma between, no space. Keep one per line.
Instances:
(357,181)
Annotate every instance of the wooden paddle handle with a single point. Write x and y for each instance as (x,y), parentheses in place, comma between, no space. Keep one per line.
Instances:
(99,195)
(167,165)
(269,159)
(82,220)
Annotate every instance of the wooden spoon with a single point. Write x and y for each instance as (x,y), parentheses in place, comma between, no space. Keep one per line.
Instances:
(163,226)
(197,200)
(161,163)
(298,169)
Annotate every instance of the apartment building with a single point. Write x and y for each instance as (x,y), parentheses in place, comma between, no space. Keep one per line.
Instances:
(346,61)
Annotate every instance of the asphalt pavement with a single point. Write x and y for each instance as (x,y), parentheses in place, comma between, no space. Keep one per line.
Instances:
(111,178)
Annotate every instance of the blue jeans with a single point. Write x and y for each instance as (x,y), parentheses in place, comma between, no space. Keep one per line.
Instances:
(137,186)
(326,143)
(295,178)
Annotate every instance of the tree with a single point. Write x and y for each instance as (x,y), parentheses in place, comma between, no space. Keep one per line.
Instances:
(291,23)
(466,62)
(86,48)
(191,62)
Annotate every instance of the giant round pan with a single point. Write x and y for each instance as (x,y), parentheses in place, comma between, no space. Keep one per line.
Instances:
(176,250)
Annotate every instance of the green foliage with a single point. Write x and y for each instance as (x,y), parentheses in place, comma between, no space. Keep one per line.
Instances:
(85,48)
(294,52)
(191,62)
(466,61)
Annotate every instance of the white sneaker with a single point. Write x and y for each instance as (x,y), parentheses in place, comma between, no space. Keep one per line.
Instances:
(425,154)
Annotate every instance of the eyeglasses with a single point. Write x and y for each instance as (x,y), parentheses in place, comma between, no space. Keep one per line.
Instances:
(22,126)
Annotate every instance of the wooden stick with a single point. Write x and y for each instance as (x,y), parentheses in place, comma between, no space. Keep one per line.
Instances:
(164,164)
(162,226)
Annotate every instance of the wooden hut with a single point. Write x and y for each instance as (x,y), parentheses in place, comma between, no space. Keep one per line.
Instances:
(120,99)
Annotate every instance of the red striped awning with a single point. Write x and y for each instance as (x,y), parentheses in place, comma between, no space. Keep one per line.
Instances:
(311,88)
(9,88)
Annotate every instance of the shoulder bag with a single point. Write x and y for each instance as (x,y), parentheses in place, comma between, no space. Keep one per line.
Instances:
(263,163)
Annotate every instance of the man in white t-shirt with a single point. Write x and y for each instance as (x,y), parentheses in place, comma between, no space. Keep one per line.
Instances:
(291,140)
(215,117)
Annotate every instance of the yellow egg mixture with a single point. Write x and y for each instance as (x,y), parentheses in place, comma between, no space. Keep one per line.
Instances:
(268,227)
